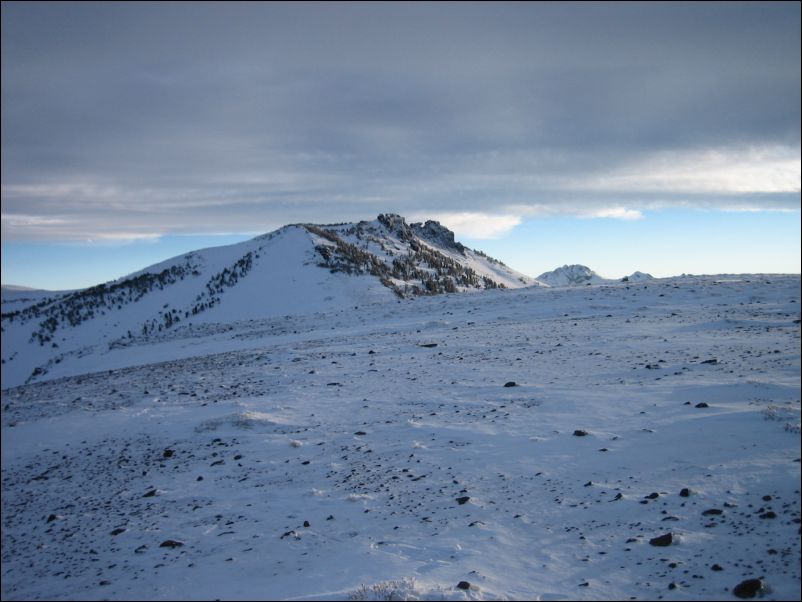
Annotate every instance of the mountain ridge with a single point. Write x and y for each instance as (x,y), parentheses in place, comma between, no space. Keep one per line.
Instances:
(298,268)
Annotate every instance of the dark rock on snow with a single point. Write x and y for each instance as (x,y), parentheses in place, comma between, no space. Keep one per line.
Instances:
(748,588)
(662,541)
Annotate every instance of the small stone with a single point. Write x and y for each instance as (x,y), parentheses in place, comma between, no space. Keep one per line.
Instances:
(360,433)
(748,588)
(712,511)
(662,541)
(768,514)
(672,585)
(168,453)
(511,383)
(463,500)
(306,523)
(117,531)
(685,492)
(580,433)
(716,567)
(701,404)
(652,496)
(150,493)
(51,518)
(463,585)
(171,543)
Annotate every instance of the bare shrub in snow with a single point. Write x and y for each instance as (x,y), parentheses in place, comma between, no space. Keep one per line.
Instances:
(398,589)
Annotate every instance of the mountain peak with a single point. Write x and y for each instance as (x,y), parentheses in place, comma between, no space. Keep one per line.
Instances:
(299,268)
(571,275)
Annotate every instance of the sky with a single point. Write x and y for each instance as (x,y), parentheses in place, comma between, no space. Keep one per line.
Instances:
(663,137)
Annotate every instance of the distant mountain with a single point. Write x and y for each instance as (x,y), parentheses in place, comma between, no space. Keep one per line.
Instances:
(13,288)
(571,275)
(299,268)
(637,277)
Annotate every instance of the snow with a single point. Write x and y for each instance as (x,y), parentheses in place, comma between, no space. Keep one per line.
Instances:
(340,417)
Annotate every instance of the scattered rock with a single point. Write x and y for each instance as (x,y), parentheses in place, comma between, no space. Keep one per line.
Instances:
(580,433)
(511,383)
(662,541)
(360,433)
(768,514)
(652,496)
(171,543)
(716,567)
(712,362)
(150,493)
(748,588)
(463,585)
(685,492)
(168,453)
(306,523)
(51,518)
(463,500)
(428,345)
(701,404)
(712,511)
(117,531)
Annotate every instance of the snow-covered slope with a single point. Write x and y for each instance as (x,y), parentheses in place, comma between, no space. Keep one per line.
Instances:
(533,444)
(297,269)
(571,275)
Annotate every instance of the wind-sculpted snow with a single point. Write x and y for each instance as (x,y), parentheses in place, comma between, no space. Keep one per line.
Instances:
(514,444)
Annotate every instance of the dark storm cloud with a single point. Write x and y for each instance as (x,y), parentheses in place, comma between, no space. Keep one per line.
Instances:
(126,119)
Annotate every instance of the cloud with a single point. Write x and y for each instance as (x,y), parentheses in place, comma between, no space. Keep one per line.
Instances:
(474,225)
(716,171)
(615,213)
(144,118)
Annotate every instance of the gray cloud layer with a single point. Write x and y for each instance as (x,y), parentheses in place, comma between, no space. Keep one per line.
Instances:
(129,119)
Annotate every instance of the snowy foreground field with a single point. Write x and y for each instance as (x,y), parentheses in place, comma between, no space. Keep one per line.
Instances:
(317,456)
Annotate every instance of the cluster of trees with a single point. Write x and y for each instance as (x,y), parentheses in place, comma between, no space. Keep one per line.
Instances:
(423,270)
(216,285)
(77,307)
(488,258)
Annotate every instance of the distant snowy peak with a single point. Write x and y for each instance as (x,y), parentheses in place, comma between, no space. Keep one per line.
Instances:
(571,275)
(637,277)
